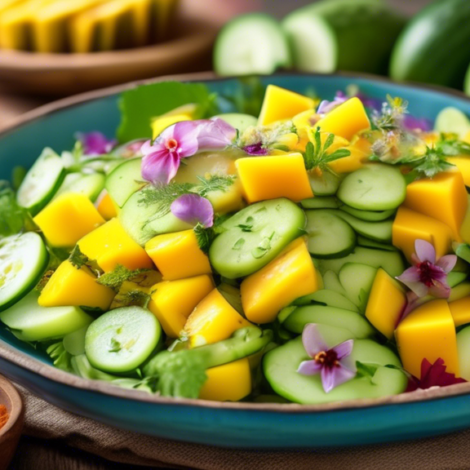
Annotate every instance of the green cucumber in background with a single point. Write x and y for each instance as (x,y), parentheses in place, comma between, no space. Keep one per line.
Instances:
(356,35)
(434,47)
(467,82)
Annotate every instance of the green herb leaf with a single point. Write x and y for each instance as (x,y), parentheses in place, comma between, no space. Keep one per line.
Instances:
(204,236)
(214,183)
(80,260)
(13,218)
(115,346)
(309,156)
(133,298)
(366,370)
(247,226)
(118,275)
(263,247)
(391,117)
(60,357)
(238,244)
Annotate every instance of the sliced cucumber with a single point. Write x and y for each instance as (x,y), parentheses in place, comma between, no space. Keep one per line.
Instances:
(462,250)
(125,180)
(41,182)
(357,280)
(454,278)
(254,236)
(325,185)
(121,340)
(333,316)
(23,259)
(331,282)
(280,368)
(377,187)
(459,292)
(368,216)
(88,185)
(328,235)
(238,120)
(251,44)
(368,243)
(452,121)
(391,262)
(74,343)
(463,348)
(325,202)
(30,322)
(328,298)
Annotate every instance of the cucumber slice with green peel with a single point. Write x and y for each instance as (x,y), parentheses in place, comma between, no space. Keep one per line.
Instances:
(376,187)
(455,278)
(368,243)
(328,298)
(357,280)
(74,343)
(41,182)
(368,216)
(121,340)
(391,262)
(462,250)
(328,235)
(332,316)
(280,368)
(459,292)
(461,266)
(321,202)
(251,44)
(88,185)
(452,121)
(254,236)
(125,180)
(463,348)
(23,260)
(30,322)
(326,184)
(238,120)
(331,282)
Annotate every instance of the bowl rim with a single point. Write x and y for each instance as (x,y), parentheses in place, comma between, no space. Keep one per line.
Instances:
(15,412)
(35,366)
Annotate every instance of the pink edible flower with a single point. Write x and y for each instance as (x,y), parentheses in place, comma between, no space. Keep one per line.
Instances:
(193,209)
(95,143)
(427,276)
(326,106)
(333,364)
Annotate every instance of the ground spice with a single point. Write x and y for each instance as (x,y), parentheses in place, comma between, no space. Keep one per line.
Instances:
(3,416)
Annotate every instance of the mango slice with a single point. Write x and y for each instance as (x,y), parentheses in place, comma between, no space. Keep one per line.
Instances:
(286,278)
(229,382)
(213,320)
(106,207)
(387,301)
(410,226)
(428,333)
(69,286)
(360,151)
(173,301)
(460,310)
(463,165)
(346,120)
(177,255)
(265,178)
(443,197)
(110,245)
(280,104)
(67,219)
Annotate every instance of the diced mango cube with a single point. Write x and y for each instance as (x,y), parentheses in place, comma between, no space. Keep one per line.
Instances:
(460,310)
(213,320)
(69,286)
(228,200)
(428,333)
(387,301)
(354,161)
(67,219)
(182,113)
(410,226)
(286,278)
(280,104)
(265,178)
(463,165)
(106,207)
(229,382)
(177,255)
(465,227)
(173,301)
(443,197)
(110,245)
(346,120)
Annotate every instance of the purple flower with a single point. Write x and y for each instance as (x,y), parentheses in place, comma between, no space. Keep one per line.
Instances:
(326,106)
(193,209)
(215,134)
(256,149)
(427,276)
(412,123)
(333,364)
(95,143)
(369,102)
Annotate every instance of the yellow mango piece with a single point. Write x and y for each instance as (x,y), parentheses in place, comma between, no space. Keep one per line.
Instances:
(460,311)
(465,227)
(386,303)
(173,301)
(280,104)
(463,165)
(182,113)
(467,137)
(265,178)
(459,292)
(346,120)
(67,219)
(177,255)
(110,245)
(106,207)
(229,382)
(443,197)
(410,226)
(351,163)
(213,320)
(69,286)
(428,333)
(286,278)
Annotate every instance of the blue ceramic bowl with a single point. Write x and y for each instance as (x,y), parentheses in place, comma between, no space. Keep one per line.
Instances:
(239,425)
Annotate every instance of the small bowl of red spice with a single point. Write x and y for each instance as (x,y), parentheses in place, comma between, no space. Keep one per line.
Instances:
(11,421)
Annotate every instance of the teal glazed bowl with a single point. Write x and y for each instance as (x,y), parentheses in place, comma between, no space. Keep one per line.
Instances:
(236,425)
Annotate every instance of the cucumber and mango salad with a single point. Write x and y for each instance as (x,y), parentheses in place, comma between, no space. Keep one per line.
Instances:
(315,253)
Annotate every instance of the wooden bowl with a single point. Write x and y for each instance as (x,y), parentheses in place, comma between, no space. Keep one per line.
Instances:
(11,432)
(66,74)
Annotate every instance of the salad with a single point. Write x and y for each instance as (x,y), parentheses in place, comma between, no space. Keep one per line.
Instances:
(299,251)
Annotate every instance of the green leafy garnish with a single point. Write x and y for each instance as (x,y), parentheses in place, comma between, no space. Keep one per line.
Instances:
(430,164)
(44,280)
(238,244)
(115,346)
(450,146)
(80,260)
(391,117)
(263,247)
(205,237)
(133,298)
(247,226)
(214,183)
(60,357)
(118,275)
(366,370)
(13,218)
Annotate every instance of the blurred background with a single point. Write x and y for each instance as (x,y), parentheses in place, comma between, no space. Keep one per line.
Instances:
(55,48)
